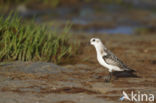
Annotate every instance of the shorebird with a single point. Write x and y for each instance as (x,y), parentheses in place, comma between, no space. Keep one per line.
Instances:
(107,59)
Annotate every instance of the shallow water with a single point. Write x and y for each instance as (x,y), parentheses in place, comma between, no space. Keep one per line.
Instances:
(90,21)
(116,30)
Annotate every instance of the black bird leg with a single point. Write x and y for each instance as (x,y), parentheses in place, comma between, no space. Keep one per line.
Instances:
(109,77)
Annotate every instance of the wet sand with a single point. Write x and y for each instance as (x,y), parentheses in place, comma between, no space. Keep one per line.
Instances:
(81,80)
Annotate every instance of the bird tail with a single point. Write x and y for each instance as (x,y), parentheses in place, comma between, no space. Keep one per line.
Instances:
(126,73)
(130,70)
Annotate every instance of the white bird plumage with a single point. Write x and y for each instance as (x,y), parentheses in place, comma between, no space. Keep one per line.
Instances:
(107,58)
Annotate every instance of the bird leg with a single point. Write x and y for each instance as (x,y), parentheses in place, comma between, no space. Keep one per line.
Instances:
(109,77)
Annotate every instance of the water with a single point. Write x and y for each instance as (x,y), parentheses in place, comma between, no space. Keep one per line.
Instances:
(84,18)
(116,30)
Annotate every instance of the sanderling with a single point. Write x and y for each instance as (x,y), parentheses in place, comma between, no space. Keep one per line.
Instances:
(107,59)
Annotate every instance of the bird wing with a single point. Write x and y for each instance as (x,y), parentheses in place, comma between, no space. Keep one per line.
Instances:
(111,59)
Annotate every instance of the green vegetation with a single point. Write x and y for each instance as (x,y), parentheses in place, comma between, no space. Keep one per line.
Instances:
(31,42)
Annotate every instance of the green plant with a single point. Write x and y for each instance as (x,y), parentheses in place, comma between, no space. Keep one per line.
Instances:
(31,42)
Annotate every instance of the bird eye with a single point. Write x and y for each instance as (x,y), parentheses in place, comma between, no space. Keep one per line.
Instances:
(93,39)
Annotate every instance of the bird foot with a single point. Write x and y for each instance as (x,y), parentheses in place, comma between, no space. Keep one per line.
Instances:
(107,79)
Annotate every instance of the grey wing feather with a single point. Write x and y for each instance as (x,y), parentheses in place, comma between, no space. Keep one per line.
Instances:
(111,59)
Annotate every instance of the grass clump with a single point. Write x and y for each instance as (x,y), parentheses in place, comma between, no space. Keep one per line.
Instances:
(31,42)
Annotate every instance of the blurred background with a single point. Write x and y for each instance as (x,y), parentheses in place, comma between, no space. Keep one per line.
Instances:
(88,16)
(53,36)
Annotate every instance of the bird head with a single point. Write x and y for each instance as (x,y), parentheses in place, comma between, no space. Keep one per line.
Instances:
(95,41)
